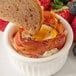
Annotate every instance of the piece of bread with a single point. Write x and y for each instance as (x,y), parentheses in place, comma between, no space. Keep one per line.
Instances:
(25,13)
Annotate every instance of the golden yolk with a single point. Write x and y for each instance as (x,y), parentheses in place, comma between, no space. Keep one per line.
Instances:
(46,32)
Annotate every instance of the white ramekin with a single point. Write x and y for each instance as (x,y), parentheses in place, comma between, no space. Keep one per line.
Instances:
(42,66)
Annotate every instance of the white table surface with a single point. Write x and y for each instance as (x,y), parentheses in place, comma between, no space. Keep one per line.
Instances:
(6,68)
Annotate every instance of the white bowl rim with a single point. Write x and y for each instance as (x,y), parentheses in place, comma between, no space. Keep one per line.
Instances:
(37,60)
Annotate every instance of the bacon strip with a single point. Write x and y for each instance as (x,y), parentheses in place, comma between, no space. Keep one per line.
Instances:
(37,48)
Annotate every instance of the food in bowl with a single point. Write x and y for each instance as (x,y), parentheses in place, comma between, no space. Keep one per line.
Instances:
(52,63)
(49,40)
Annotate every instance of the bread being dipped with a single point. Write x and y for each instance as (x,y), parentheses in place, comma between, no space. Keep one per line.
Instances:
(24,13)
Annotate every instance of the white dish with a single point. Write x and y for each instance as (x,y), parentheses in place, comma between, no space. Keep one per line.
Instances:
(42,66)
(7,69)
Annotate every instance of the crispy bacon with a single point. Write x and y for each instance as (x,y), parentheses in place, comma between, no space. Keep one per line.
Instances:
(37,48)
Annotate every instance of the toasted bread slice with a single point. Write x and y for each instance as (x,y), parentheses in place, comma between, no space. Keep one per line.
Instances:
(25,13)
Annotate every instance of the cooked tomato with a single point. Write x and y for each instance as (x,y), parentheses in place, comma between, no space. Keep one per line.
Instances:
(49,18)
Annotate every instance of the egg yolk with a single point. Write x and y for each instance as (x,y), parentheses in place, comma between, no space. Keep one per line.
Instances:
(46,32)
